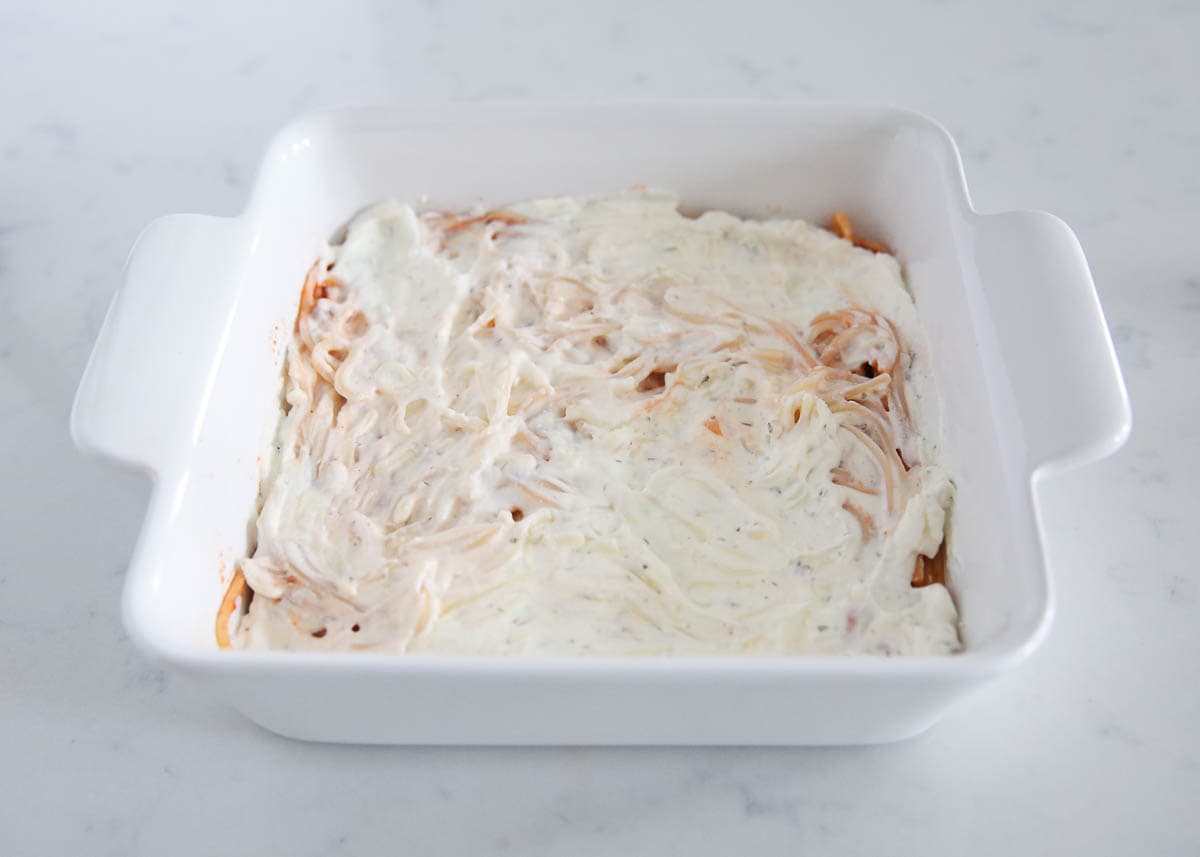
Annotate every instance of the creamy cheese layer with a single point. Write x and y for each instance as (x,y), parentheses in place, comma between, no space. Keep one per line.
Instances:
(598,427)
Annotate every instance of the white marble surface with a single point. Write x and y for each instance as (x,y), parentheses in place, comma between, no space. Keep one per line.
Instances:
(1088,110)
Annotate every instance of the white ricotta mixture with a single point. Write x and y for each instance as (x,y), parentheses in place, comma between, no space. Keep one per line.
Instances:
(598,427)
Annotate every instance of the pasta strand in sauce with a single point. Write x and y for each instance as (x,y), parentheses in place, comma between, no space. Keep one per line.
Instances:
(597,427)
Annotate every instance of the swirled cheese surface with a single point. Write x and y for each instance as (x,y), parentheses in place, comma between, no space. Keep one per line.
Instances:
(592,427)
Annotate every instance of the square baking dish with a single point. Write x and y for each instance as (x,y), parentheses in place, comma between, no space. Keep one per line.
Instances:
(184,383)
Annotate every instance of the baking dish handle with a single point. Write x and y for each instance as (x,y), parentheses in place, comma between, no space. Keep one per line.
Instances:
(1056,345)
(145,384)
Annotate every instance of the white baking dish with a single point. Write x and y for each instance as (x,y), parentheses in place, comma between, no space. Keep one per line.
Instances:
(183,382)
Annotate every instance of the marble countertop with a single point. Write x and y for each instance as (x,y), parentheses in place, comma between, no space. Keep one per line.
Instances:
(109,120)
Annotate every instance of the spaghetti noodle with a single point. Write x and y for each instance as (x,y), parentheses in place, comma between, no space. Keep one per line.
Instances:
(595,427)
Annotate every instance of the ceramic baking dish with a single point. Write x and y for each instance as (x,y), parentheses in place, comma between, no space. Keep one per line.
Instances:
(185,376)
